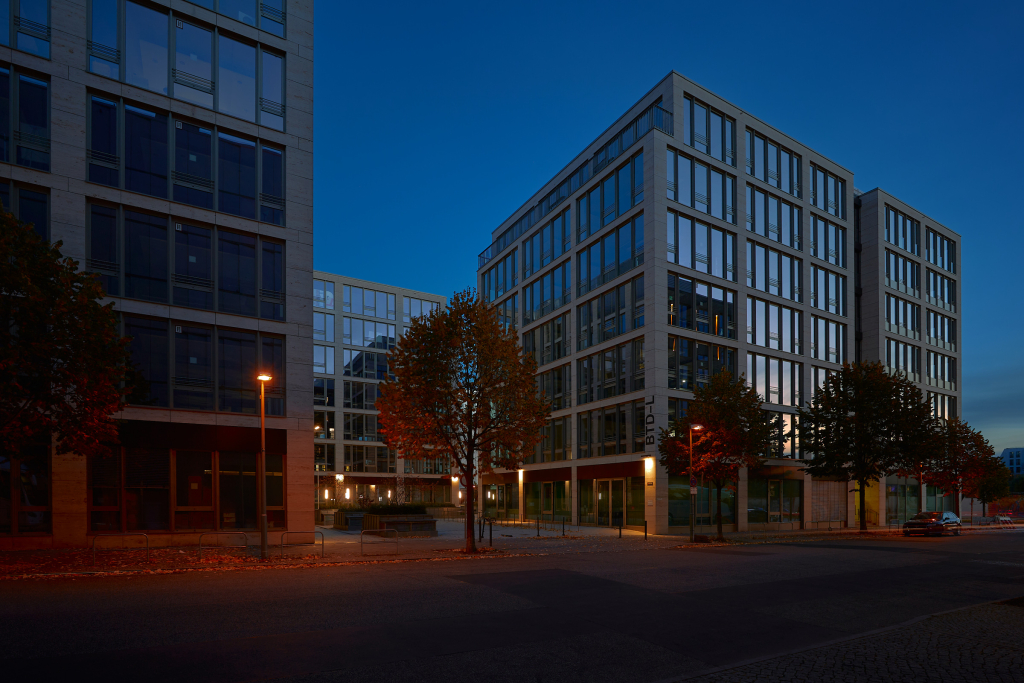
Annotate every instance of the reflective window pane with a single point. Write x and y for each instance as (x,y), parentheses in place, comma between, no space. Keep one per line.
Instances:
(146,47)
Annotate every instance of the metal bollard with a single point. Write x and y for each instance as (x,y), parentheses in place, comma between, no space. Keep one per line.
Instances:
(620,531)
(563,526)
(538,527)
(490,527)
(645,529)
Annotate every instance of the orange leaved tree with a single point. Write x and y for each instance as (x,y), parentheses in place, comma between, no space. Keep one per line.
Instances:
(962,459)
(462,389)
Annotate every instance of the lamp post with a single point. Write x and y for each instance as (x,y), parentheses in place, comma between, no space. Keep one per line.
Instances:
(693,493)
(261,466)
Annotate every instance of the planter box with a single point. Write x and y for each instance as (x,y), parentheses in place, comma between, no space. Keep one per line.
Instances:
(349,521)
(404,525)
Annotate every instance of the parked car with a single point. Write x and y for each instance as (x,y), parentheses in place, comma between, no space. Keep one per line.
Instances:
(928,523)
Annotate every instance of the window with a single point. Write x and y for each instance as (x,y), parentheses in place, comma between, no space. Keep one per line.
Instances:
(271,14)
(617,311)
(237,74)
(237,367)
(237,486)
(323,327)
(361,395)
(237,273)
(945,407)
(902,231)
(25,491)
(323,294)
(941,371)
(237,175)
(380,459)
(546,244)
(774,218)
(828,241)
(27,205)
(701,187)
(272,361)
(941,331)
(193,367)
(323,359)
(787,445)
(828,291)
(104,162)
(941,291)
(323,391)
(508,311)
(193,505)
(775,379)
(902,317)
(31,23)
(774,272)
(549,341)
(709,131)
(103,252)
(903,357)
(149,348)
(368,333)
(360,427)
(612,430)
(554,445)
(25,103)
(323,424)
(819,376)
(323,457)
(555,387)
(772,163)
(613,196)
(774,501)
(703,248)
(413,308)
(613,372)
(146,154)
(547,293)
(620,250)
(902,274)
(702,307)
(366,364)
(193,165)
(272,280)
(368,302)
(828,340)
(501,278)
(193,64)
(103,44)
(691,363)
(272,186)
(941,251)
(773,326)
(146,38)
(146,256)
(828,191)
(193,266)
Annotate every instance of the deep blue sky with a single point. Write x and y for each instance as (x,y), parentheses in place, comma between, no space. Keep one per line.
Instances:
(436,121)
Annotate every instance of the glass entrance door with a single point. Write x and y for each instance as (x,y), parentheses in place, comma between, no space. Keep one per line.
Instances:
(603,503)
(618,501)
(547,508)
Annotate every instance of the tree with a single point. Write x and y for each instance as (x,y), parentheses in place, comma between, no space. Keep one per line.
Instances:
(462,389)
(860,426)
(993,484)
(735,432)
(960,461)
(63,365)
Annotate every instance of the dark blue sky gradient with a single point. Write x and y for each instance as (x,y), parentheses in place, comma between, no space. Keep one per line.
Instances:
(436,121)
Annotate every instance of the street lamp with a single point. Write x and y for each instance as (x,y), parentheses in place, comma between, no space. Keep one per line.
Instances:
(261,467)
(693,480)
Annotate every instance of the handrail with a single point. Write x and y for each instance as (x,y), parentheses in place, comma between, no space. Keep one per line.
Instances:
(295,545)
(222,533)
(382,533)
(146,536)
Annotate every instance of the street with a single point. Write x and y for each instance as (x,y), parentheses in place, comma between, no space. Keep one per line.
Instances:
(627,614)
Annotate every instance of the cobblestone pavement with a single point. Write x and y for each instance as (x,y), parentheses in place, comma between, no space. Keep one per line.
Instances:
(978,644)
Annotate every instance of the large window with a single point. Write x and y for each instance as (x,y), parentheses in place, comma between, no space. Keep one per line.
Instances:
(903,357)
(323,327)
(613,430)
(620,250)
(508,311)
(696,245)
(555,445)
(360,427)
(547,293)
(28,204)
(828,291)
(701,187)
(773,272)
(941,331)
(772,163)
(945,407)
(709,131)
(196,367)
(617,311)
(174,54)
(691,363)
(902,317)
(828,340)
(613,372)
(367,333)
(555,387)
(941,371)
(775,379)
(549,341)
(548,243)
(902,231)
(25,25)
(187,154)
(940,251)
(323,294)
(773,218)
(413,308)
(828,191)
(773,326)
(828,241)
(775,501)
(501,278)
(367,364)
(610,198)
(25,491)
(323,359)
(902,274)
(25,118)
(941,291)
(361,395)
(380,459)
(323,392)
(368,302)
(702,307)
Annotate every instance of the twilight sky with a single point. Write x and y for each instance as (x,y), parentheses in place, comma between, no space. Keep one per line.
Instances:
(436,121)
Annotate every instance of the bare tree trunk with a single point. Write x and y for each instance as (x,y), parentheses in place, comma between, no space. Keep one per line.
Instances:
(861,486)
(467,473)
(718,487)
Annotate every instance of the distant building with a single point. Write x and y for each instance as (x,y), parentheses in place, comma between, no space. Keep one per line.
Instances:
(1014,459)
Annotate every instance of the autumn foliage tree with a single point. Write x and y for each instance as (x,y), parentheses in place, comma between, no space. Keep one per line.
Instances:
(63,365)
(462,390)
(962,459)
(734,432)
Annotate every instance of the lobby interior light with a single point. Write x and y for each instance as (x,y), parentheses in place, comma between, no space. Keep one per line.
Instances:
(326,494)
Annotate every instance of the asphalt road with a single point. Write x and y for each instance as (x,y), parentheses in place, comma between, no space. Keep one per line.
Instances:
(629,615)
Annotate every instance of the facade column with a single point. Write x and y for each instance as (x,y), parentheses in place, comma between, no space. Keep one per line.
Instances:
(742,497)
(522,500)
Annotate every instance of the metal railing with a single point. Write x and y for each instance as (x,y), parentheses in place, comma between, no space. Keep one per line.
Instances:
(380,533)
(122,537)
(222,533)
(296,545)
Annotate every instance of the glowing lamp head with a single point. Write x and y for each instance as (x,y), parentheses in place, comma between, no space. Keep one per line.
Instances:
(264,377)
(696,428)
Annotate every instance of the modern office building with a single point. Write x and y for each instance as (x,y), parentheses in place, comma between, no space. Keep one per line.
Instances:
(1013,458)
(355,324)
(651,261)
(169,146)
